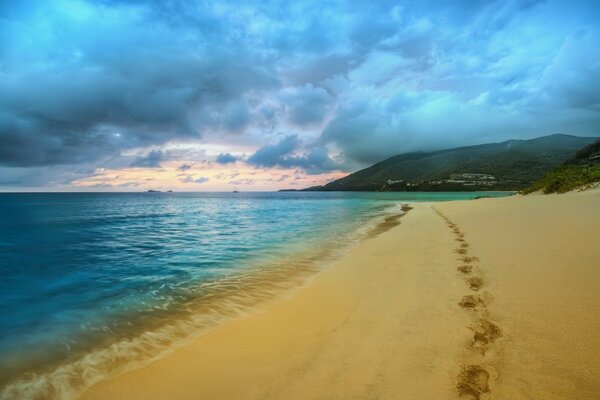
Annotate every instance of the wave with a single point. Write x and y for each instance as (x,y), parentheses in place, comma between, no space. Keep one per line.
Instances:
(209,305)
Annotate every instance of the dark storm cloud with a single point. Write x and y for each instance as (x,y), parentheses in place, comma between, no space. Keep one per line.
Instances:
(83,81)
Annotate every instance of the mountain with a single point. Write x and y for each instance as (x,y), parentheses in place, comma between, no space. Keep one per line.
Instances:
(580,171)
(510,165)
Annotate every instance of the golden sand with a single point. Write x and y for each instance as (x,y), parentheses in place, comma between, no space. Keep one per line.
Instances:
(493,298)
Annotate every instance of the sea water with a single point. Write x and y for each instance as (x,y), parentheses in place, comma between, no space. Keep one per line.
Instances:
(90,280)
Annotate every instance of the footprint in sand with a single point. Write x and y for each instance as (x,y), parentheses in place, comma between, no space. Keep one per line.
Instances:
(485,333)
(471,302)
(473,381)
(475,283)
(465,269)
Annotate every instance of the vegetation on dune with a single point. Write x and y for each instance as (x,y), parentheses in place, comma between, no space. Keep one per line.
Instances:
(580,172)
(566,178)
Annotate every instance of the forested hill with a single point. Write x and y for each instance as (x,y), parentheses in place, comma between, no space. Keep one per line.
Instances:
(510,165)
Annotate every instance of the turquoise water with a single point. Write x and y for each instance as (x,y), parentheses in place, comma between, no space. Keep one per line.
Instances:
(82,272)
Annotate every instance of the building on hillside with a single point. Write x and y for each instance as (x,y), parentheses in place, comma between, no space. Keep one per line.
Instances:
(469,179)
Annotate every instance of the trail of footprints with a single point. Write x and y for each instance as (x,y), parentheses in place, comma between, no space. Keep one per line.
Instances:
(473,379)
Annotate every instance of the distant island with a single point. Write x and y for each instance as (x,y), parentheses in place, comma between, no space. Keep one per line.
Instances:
(509,165)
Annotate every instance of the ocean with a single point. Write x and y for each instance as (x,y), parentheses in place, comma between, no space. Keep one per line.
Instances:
(93,283)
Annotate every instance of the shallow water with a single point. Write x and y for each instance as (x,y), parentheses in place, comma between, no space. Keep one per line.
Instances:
(90,280)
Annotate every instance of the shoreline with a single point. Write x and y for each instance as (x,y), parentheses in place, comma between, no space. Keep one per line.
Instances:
(493,298)
(395,318)
(338,328)
(245,292)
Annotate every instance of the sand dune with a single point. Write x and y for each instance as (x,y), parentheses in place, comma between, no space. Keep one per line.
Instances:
(494,298)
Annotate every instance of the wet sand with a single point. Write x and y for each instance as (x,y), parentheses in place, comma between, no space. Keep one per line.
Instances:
(493,298)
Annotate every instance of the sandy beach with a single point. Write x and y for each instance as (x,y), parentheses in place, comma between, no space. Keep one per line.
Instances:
(491,298)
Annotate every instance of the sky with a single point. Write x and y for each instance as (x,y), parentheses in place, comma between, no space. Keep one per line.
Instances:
(134,95)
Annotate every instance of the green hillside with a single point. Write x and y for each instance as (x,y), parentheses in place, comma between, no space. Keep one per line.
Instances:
(513,165)
(578,172)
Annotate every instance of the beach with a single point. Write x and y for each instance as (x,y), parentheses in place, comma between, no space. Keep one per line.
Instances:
(488,298)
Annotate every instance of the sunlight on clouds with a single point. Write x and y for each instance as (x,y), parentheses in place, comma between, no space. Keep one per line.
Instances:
(202,176)
(136,87)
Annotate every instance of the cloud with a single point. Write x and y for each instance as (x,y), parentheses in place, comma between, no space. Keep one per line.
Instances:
(315,161)
(242,182)
(82,84)
(238,117)
(150,160)
(191,179)
(306,105)
(86,84)
(572,80)
(370,131)
(316,70)
(379,67)
(184,167)
(60,175)
(226,158)
(272,155)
